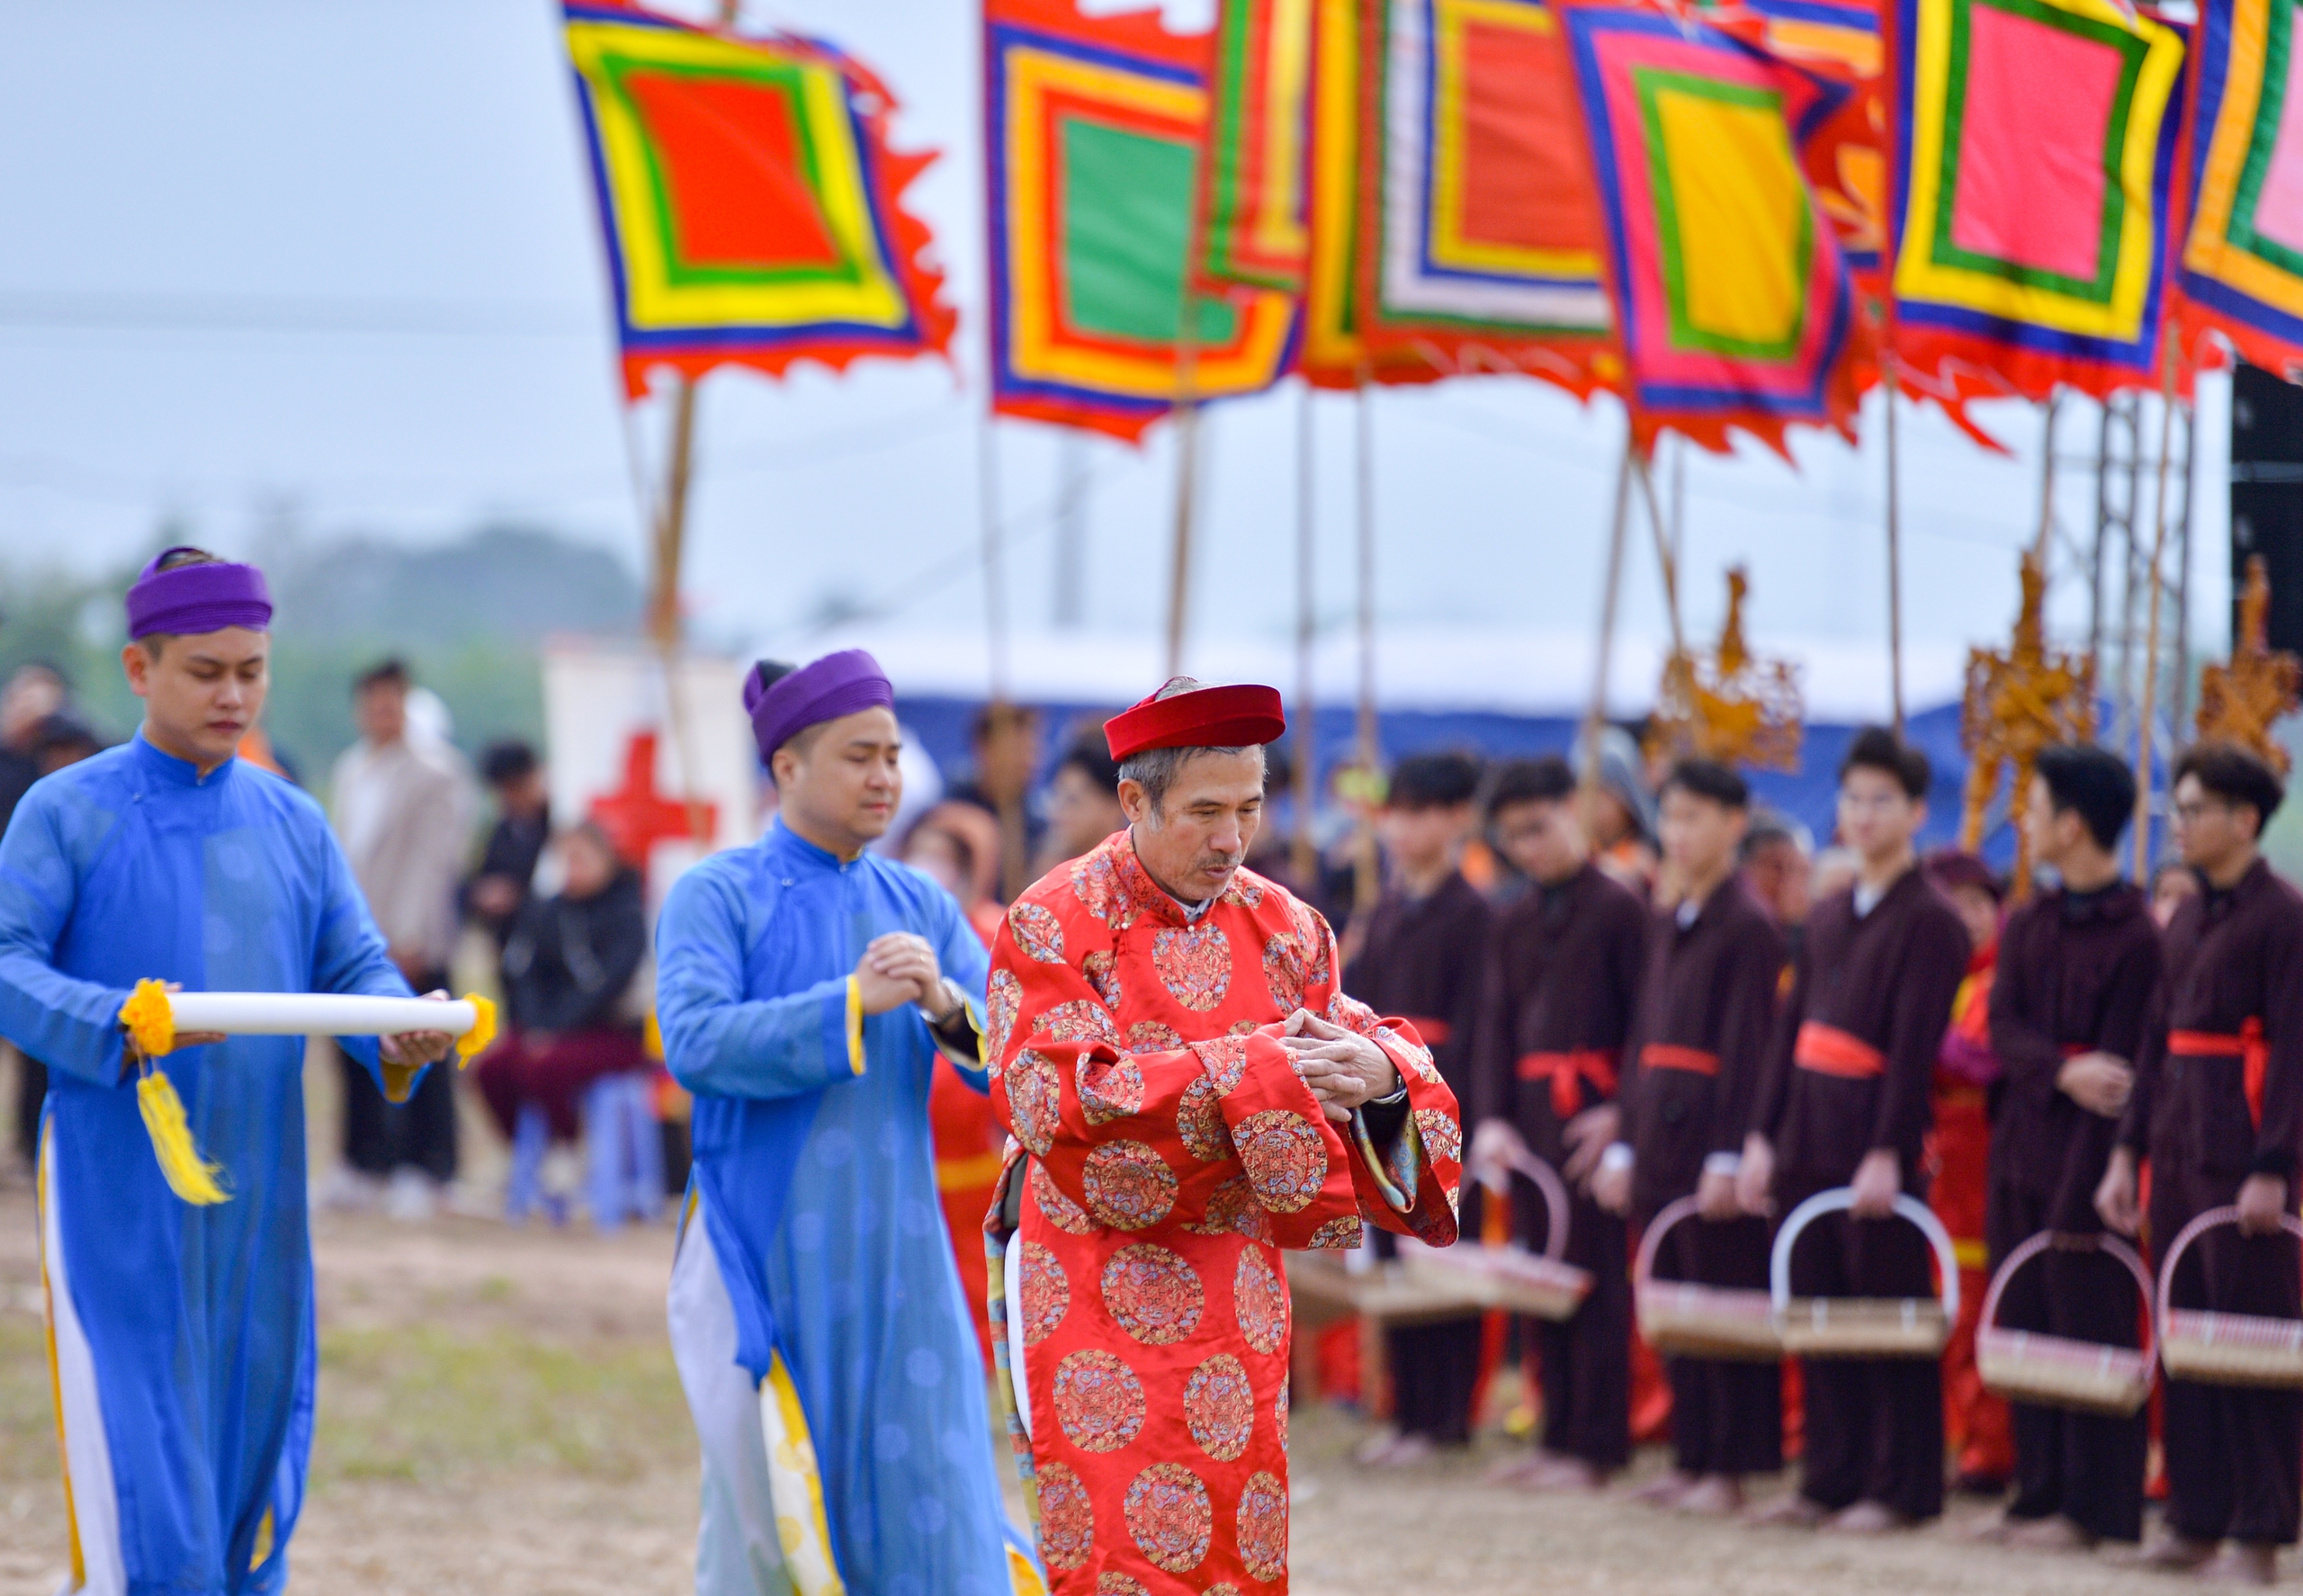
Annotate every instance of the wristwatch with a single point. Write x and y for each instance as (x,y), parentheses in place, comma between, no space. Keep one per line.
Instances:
(958,1006)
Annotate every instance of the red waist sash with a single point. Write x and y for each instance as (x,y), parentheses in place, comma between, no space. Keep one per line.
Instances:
(1669,1055)
(2249,1048)
(1434,1032)
(1829,1051)
(1567,1070)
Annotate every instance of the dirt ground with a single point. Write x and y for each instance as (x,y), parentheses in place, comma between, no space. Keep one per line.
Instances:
(499,1415)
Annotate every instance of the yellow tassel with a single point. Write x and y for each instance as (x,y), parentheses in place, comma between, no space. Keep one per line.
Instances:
(190,1176)
(474,1041)
(150,1021)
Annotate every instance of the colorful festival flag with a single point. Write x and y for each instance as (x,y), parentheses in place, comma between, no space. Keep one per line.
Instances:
(1092,145)
(1734,303)
(2034,158)
(1257,208)
(2241,269)
(1846,157)
(1481,239)
(1333,353)
(753,211)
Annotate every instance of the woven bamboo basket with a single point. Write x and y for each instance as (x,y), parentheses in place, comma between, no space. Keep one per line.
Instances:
(1684,1319)
(1509,1277)
(1388,1292)
(1857,1326)
(2226,1348)
(2059,1371)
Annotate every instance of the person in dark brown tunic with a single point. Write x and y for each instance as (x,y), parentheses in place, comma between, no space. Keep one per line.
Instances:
(1421,955)
(2077,965)
(1845,1103)
(1562,980)
(1707,1009)
(2218,1105)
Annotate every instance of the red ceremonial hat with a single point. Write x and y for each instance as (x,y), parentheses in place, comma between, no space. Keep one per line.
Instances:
(1197,718)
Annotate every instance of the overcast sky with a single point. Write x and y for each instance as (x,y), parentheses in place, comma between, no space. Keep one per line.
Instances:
(331,264)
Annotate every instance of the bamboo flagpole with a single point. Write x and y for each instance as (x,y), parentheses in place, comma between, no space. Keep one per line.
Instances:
(1187,417)
(1595,720)
(1667,555)
(664,623)
(995,574)
(2143,729)
(1367,883)
(2041,545)
(1304,852)
(1894,558)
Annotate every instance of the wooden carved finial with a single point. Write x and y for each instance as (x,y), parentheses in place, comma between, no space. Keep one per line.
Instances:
(2017,702)
(1730,705)
(2238,702)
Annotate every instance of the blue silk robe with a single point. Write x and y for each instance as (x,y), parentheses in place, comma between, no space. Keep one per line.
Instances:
(183,1336)
(814,1196)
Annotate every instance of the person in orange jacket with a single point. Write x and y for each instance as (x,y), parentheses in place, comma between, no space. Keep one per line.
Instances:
(1977,1425)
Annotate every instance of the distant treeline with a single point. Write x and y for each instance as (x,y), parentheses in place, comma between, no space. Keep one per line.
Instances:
(466,616)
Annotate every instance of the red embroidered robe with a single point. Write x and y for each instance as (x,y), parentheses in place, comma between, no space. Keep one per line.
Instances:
(1173,1153)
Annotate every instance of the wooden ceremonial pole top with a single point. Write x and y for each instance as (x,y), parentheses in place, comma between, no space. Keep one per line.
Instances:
(2018,700)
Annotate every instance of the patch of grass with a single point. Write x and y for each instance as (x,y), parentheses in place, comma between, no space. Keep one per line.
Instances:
(426,1404)
(28,1452)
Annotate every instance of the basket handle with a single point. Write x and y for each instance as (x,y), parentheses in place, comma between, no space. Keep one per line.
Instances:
(1642,1269)
(1495,1176)
(2100,1242)
(2204,1222)
(1837,1200)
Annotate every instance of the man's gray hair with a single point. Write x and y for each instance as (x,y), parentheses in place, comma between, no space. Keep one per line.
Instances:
(1155,769)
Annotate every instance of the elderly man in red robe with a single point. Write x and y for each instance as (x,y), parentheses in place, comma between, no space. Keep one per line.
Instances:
(1195,1092)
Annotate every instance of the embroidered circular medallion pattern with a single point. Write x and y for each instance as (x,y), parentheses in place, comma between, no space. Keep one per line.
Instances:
(1109,1089)
(1285,1160)
(1128,1185)
(1284,969)
(1034,1100)
(1047,1294)
(1260,1302)
(1220,1407)
(1149,1036)
(1001,999)
(1195,965)
(1152,1293)
(1059,1210)
(1231,1208)
(1263,1526)
(1038,931)
(1169,1516)
(1095,882)
(1443,1138)
(1098,1401)
(1199,1121)
(1067,1519)
(1102,974)
(1225,1060)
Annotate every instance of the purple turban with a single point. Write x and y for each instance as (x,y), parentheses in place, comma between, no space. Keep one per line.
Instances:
(192,600)
(836,684)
